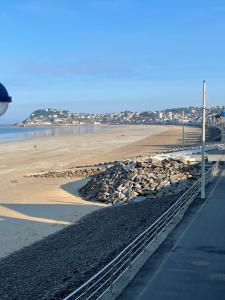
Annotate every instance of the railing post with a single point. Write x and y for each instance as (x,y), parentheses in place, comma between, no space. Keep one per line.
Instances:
(167,220)
(156,230)
(145,243)
(130,258)
(180,206)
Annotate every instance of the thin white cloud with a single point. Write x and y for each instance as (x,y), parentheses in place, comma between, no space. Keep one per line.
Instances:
(94,68)
(47,7)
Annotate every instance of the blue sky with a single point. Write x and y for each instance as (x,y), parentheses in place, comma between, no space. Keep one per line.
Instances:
(111,55)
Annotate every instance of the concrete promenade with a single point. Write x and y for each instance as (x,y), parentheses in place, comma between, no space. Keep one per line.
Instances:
(190,264)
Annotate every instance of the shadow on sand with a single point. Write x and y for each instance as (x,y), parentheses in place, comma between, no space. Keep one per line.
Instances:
(23,224)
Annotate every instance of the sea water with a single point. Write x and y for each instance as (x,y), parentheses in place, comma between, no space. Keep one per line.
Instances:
(23,133)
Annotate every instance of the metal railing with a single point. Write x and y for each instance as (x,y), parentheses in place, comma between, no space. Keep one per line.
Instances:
(104,280)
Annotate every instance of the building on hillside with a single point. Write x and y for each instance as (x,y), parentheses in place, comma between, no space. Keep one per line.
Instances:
(170,115)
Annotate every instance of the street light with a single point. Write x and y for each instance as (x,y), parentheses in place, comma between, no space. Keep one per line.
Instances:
(183,129)
(203,141)
(5,99)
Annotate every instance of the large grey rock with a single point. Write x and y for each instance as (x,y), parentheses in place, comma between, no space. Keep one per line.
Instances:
(138,199)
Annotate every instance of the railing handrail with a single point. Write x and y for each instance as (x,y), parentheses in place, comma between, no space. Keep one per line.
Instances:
(129,247)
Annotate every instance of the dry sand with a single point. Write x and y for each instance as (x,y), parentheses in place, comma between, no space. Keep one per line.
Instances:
(32,208)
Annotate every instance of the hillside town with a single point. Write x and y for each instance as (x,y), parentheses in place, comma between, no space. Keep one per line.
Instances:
(187,115)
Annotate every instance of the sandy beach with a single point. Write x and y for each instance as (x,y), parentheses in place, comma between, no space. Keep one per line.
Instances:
(32,208)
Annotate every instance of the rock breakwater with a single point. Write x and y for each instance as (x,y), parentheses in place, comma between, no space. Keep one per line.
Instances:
(140,179)
(68,173)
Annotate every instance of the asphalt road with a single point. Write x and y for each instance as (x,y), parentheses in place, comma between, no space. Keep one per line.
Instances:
(190,264)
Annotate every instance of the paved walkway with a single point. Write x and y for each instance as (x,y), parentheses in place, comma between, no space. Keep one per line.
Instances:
(190,264)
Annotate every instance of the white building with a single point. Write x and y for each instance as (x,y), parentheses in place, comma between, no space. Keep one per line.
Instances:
(170,115)
(160,115)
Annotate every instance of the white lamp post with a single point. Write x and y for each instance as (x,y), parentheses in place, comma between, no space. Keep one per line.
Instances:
(183,129)
(203,142)
(5,99)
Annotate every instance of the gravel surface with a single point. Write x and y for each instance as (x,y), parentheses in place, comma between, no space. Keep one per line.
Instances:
(55,266)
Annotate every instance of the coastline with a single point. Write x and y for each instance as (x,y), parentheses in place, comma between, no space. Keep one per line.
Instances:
(32,208)
(39,132)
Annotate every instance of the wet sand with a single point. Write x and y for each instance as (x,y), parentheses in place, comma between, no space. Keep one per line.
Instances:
(32,208)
